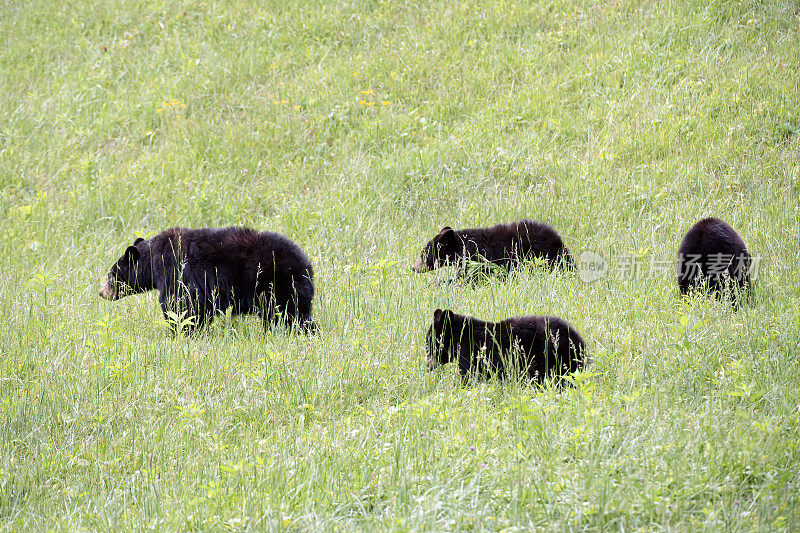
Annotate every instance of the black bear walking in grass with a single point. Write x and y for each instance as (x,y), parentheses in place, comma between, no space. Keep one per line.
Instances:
(536,346)
(198,272)
(505,244)
(713,255)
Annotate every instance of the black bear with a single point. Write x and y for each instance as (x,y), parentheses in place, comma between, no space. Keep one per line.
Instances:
(536,346)
(504,244)
(198,272)
(713,255)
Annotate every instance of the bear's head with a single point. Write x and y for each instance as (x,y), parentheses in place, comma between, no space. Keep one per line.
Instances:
(129,275)
(446,248)
(439,339)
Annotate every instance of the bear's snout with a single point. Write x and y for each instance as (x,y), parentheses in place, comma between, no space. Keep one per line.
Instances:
(418,266)
(107,292)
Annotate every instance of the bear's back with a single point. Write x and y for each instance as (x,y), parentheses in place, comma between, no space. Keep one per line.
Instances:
(710,236)
(521,240)
(240,254)
(536,331)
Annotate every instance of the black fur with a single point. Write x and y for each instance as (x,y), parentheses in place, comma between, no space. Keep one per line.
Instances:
(713,254)
(537,346)
(202,271)
(505,244)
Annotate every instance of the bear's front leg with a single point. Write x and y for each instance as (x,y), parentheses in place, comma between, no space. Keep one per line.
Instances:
(181,313)
(466,362)
(199,313)
(169,314)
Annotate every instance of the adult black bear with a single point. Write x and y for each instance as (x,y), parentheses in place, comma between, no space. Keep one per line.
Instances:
(539,346)
(505,244)
(201,271)
(713,254)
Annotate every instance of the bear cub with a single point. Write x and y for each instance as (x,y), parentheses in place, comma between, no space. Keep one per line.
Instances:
(536,346)
(713,254)
(202,271)
(504,244)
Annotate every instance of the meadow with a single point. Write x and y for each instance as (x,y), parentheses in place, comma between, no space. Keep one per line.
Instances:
(359,128)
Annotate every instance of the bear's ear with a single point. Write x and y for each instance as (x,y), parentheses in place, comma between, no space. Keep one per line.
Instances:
(441,316)
(131,253)
(138,240)
(447,235)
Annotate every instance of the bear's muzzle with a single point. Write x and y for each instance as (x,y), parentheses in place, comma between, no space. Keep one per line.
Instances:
(108,291)
(419,267)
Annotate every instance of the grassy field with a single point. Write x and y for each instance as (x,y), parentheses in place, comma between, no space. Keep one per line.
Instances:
(358,129)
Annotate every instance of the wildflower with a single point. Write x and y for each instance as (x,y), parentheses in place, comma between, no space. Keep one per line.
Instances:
(367,92)
(606,155)
(173,103)
(386,102)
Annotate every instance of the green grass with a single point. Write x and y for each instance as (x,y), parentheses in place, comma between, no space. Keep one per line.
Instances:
(359,129)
